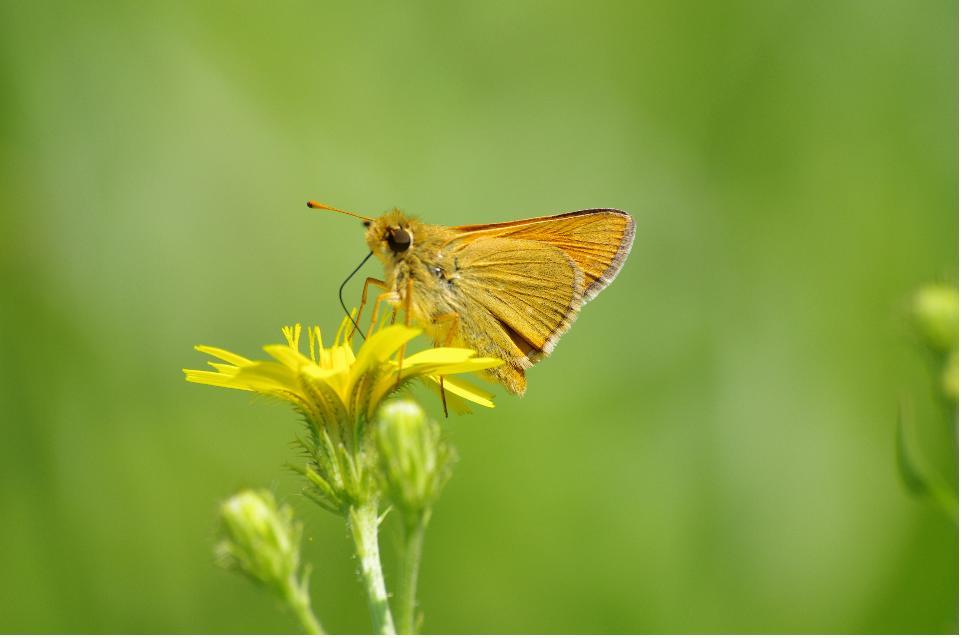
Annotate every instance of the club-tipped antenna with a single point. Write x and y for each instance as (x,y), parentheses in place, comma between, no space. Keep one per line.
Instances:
(319,206)
(340,293)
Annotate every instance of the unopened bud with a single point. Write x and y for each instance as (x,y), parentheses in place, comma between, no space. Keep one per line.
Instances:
(936,312)
(415,462)
(262,539)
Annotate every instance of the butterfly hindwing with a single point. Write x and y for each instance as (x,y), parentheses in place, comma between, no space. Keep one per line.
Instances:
(525,295)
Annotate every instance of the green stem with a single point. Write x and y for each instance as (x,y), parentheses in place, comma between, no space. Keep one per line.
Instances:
(363,521)
(299,602)
(408,584)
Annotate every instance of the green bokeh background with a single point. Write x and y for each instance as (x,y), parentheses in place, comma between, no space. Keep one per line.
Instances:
(709,450)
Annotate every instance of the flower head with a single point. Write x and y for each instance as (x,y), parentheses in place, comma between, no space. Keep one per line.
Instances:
(333,384)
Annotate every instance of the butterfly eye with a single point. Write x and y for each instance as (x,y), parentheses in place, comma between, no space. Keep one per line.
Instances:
(399,240)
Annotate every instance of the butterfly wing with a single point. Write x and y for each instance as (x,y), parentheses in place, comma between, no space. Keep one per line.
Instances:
(519,296)
(598,240)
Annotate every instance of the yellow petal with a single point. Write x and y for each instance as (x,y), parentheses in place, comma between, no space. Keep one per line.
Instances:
(382,344)
(293,335)
(288,356)
(225,355)
(315,341)
(466,390)
(472,365)
(439,355)
(379,347)
(317,372)
(341,357)
(207,377)
(454,403)
(267,376)
(224,368)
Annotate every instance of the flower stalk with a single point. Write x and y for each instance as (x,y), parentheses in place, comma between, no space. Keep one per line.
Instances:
(363,521)
(299,602)
(412,543)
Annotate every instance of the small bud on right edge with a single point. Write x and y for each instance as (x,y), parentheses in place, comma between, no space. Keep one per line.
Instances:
(935,309)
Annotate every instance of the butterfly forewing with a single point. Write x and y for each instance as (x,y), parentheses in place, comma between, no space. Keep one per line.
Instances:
(598,240)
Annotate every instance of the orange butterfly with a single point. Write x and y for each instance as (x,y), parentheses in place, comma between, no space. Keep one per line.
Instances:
(507,290)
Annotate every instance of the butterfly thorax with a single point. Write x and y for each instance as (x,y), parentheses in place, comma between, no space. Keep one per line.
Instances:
(416,257)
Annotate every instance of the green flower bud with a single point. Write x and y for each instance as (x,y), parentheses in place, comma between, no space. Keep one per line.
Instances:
(414,461)
(262,540)
(936,312)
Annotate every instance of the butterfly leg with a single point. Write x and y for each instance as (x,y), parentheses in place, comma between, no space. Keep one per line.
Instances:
(381,298)
(453,320)
(367,282)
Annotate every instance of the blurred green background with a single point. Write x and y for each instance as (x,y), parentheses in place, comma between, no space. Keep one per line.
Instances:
(709,450)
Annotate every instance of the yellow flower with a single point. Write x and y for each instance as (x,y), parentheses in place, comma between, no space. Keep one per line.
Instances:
(333,386)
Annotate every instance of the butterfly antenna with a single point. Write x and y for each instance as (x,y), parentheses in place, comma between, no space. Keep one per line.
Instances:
(320,206)
(340,293)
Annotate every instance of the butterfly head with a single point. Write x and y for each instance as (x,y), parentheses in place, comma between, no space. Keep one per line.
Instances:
(391,236)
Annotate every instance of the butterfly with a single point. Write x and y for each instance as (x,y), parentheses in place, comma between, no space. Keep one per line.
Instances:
(508,290)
